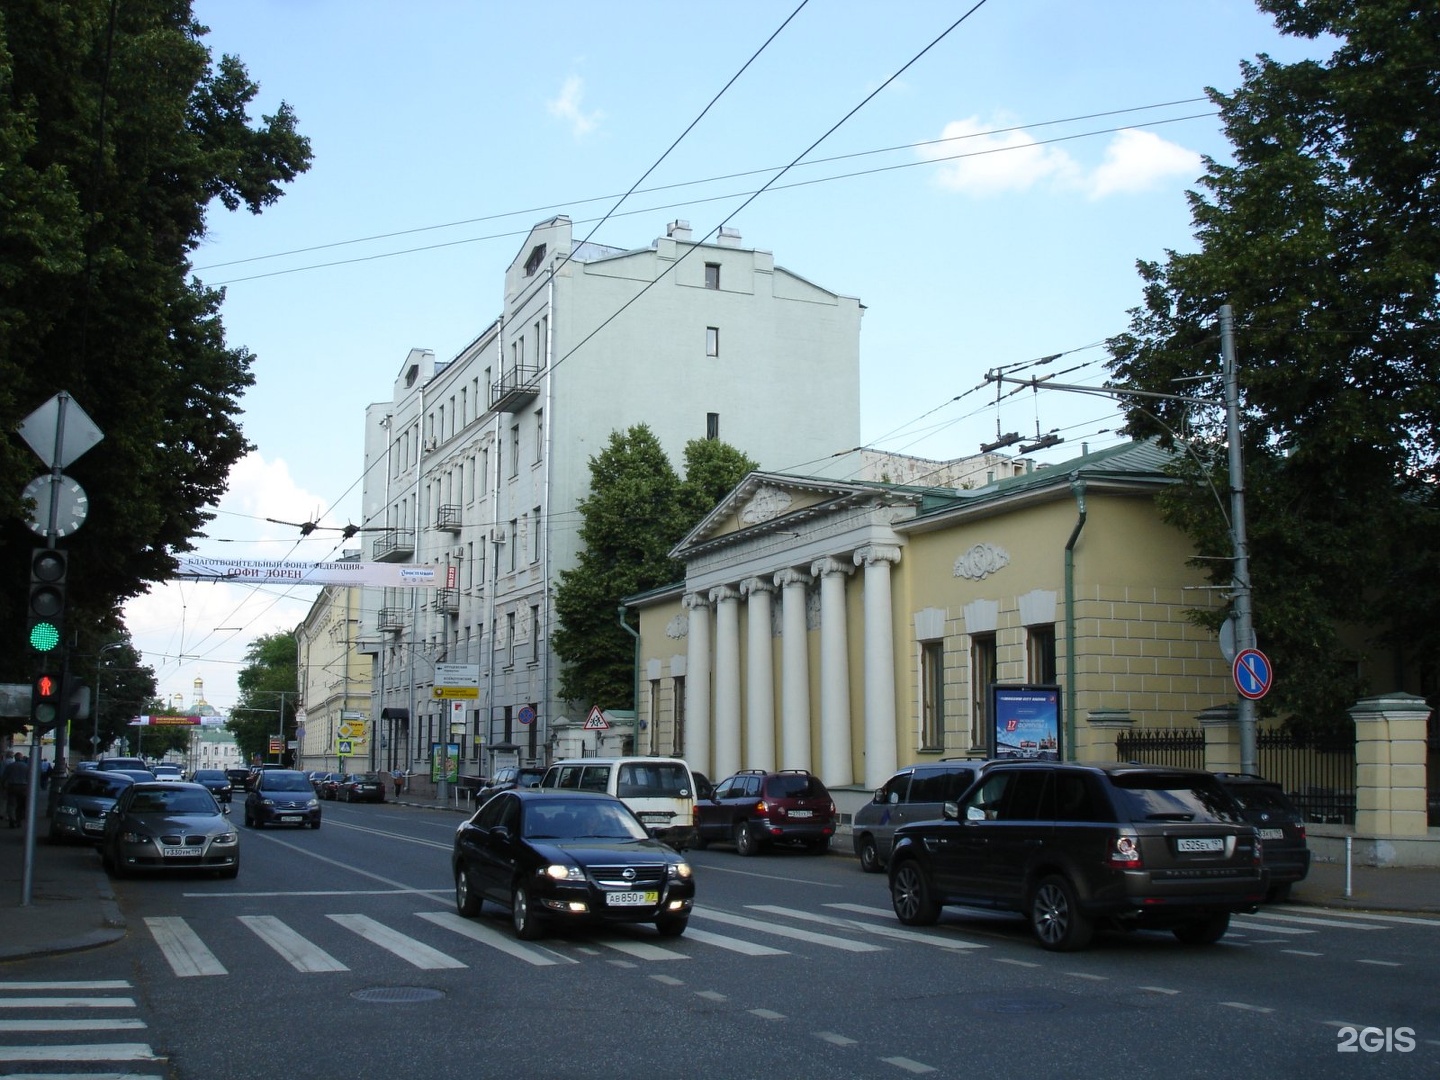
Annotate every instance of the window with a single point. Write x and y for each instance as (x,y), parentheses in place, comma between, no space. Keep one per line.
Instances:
(678,749)
(539,435)
(514,541)
(535,535)
(982,677)
(510,639)
(515,450)
(712,341)
(484,472)
(1040,654)
(652,714)
(932,692)
(712,425)
(537,256)
(712,275)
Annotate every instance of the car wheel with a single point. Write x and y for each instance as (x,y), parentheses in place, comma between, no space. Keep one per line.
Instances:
(1278,894)
(672,925)
(467,900)
(1056,918)
(1204,931)
(869,856)
(911,897)
(527,926)
(745,840)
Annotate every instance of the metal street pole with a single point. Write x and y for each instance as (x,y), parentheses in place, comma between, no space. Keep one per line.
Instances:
(95,717)
(1240,590)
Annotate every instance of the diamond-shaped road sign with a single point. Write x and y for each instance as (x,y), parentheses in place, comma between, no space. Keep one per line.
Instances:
(79,434)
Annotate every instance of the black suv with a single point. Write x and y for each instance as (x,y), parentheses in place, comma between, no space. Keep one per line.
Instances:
(755,808)
(1072,847)
(1281,827)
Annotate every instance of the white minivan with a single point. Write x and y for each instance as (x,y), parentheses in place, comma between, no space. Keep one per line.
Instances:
(661,791)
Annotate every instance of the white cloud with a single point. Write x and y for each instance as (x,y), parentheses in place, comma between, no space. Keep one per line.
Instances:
(567,107)
(1140,161)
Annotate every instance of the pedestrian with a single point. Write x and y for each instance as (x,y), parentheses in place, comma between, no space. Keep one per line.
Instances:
(399,777)
(45,767)
(15,779)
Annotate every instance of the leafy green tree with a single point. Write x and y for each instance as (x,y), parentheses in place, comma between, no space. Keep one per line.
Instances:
(638,509)
(121,688)
(269,692)
(1324,236)
(117,131)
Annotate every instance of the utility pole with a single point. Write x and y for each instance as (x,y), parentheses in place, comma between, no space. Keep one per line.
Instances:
(1240,572)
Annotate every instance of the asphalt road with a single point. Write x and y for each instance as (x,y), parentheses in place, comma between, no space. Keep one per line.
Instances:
(337,953)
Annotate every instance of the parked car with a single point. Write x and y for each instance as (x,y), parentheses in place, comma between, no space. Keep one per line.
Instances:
(282,797)
(755,808)
(916,793)
(80,805)
(328,786)
(133,774)
(213,780)
(1074,847)
(507,778)
(568,857)
(112,763)
(169,773)
(363,787)
(238,778)
(661,791)
(162,826)
(1281,827)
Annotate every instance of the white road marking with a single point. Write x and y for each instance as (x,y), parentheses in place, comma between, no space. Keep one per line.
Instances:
(748,948)
(1159,990)
(643,950)
(403,946)
(127,1024)
(95,1052)
(1381,963)
(892,931)
(183,949)
(302,954)
(1247,1008)
(788,931)
(1238,924)
(908,1065)
(767,1014)
(96,984)
(1305,920)
(834,1039)
(489,935)
(711,995)
(1365,916)
(66,1003)
(1301,952)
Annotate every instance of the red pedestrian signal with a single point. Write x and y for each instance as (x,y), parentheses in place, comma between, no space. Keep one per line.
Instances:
(45,699)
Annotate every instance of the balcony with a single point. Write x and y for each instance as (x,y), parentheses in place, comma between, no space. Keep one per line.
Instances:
(448,518)
(447,600)
(390,620)
(515,389)
(395,545)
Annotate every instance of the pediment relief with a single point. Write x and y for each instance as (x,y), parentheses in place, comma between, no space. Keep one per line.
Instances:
(768,502)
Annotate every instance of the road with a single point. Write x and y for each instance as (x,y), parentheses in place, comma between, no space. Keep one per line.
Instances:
(337,953)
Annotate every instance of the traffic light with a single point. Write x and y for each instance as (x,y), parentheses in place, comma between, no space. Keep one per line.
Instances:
(48,570)
(45,700)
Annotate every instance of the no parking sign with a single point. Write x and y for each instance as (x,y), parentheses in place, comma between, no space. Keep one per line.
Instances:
(1253,673)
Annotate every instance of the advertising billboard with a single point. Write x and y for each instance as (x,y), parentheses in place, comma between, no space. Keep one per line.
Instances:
(1027,722)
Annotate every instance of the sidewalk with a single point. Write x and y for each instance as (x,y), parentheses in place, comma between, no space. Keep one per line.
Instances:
(73,906)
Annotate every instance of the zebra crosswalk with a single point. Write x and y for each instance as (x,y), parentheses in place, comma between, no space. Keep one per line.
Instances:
(49,1028)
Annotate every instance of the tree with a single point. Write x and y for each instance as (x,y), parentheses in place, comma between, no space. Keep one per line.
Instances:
(1324,236)
(635,514)
(269,692)
(121,688)
(117,131)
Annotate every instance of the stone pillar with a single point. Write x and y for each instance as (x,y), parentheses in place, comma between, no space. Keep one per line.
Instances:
(1221,726)
(836,766)
(697,683)
(759,676)
(1098,735)
(795,671)
(1390,765)
(727,681)
(881,737)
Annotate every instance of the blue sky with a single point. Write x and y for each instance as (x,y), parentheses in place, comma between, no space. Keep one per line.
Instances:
(987,206)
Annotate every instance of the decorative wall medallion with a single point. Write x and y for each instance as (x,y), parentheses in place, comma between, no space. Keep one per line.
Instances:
(980,561)
(678,627)
(768,502)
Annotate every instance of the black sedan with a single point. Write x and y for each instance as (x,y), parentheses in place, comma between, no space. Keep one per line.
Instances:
(168,825)
(568,858)
(214,779)
(362,787)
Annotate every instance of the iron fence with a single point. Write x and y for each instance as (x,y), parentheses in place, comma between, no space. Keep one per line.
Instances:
(1318,773)
(1163,746)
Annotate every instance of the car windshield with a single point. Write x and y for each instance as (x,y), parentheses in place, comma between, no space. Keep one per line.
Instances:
(650,780)
(172,802)
(285,781)
(1175,797)
(1262,797)
(97,785)
(202,775)
(573,820)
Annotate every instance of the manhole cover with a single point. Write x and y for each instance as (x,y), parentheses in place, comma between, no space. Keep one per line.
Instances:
(1020,1005)
(397,995)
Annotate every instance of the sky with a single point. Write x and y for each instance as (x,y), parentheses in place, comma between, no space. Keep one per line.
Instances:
(986,203)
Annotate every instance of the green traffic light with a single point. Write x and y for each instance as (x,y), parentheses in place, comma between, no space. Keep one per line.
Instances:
(44,637)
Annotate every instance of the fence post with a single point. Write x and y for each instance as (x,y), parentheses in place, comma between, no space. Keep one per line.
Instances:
(1220,723)
(1390,765)
(1097,738)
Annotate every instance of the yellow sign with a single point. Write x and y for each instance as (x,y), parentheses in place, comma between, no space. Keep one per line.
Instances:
(442,693)
(352,730)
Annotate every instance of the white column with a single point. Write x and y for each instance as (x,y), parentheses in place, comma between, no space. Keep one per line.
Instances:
(759,675)
(836,766)
(727,681)
(880,734)
(697,683)
(794,671)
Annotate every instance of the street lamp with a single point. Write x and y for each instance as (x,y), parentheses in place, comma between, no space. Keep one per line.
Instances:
(95,716)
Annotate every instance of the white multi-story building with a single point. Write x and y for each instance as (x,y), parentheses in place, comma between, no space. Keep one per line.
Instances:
(334,682)
(477,465)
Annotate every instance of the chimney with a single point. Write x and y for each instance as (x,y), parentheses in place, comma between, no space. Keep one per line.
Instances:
(729,237)
(678,230)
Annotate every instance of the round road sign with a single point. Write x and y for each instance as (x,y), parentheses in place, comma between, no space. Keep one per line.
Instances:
(1253,673)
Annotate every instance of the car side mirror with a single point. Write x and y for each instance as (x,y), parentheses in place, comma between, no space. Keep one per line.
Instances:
(973,813)
(894,797)
(500,834)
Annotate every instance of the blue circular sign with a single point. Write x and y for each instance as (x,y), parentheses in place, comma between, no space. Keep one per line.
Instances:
(1253,673)
(526,715)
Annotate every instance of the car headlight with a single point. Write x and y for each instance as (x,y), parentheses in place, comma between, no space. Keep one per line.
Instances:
(268,802)
(561,872)
(313,803)
(68,811)
(679,870)
(226,838)
(134,838)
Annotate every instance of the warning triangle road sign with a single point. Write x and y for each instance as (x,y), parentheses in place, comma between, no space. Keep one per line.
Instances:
(596,720)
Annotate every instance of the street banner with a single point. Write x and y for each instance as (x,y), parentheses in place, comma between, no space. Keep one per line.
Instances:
(288,572)
(164,720)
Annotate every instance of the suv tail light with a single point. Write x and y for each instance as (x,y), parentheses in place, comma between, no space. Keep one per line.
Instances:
(1124,853)
(761,810)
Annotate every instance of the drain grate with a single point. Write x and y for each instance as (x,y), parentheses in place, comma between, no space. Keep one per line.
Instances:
(397,995)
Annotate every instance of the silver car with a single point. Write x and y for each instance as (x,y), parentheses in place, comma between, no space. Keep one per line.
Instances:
(80,805)
(916,793)
(161,826)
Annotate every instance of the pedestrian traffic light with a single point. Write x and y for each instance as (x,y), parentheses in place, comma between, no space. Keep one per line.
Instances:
(45,699)
(48,570)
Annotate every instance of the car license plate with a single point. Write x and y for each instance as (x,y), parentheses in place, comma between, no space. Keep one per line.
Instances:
(180,852)
(1207,844)
(291,817)
(631,899)
(655,819)
(1272,834)
(92,826)
(802,813)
